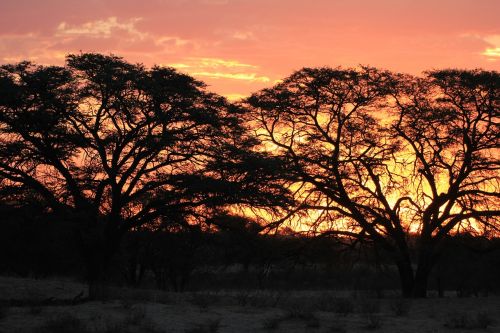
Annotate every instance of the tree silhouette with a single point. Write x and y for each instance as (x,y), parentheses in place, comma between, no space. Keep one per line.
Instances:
(380,156)
(118,146)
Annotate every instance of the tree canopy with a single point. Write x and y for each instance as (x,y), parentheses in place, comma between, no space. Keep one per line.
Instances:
(380,156)
(369,154)
(117,146)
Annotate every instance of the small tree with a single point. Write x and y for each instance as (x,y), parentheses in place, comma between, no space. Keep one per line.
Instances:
(381,157)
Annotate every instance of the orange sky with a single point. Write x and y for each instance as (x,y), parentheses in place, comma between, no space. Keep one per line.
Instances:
(239,46)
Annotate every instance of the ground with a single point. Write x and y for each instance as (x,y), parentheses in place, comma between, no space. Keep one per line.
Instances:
(24,309)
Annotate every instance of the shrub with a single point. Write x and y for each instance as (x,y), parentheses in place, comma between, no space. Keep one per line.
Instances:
(135,316)
(483,320)
(457,320)
(313,322)
(3,312)
(460,320)
(64,323)
(343,306)
(267,300)
(272,323)
(374,322)
(369,306)
(242,298)
(400,307)
(203,301)
(325,302)
(35,310)
(300,313)
(163,298)
(126,304)
(211,326)
(337,328)
(115,328)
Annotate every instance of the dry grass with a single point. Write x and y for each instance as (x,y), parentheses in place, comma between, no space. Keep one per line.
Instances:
(400,307)
(64,323)
(343,306)
(374,321)
(273,323)
(253,311)
(204,300)
(4,311)
(211,326)
(462,320)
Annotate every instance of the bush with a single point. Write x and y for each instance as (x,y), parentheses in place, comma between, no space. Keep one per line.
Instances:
(64,323)
(135,316)
(343,306)
(369,306)
(374,322)
(203,301)
(272,323)
(211,326)
(242,298)
(313,322)
(123,327)
(35,310)
(3,312)
(337,328)
(266,300)
(325,302)
(400,307)
(300,313)
(461,320)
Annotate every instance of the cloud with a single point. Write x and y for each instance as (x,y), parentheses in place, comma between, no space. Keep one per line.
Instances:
(101,28)
(215,2)
(217,68)
(493,51)
(168,40)
(28,46)
(194,62)
(235,76)
(235,97)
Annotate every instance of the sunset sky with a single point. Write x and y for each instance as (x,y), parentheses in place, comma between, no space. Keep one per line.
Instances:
(239,46)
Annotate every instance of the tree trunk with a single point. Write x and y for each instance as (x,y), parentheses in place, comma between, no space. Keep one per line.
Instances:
(95,277)
(99,260)
(406,278)
(420,282)
(425,263)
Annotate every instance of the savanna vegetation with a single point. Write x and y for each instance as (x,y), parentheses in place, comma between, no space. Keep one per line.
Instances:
(355,179)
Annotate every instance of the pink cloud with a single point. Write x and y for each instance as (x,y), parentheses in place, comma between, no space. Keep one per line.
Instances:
(276,37)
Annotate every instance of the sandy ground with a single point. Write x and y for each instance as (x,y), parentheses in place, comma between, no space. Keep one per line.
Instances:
(136,310)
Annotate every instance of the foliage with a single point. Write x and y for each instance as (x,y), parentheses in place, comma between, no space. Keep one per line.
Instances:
(378,156)
(113,146)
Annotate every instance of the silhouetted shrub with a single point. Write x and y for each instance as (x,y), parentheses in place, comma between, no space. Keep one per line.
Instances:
(64,323)
(211,326)
(400,306)
(203,300)
(374,321)
(35,310)
(369,306)
(135,316)
(272,323)
(462,320)
(3,311)
(343,306)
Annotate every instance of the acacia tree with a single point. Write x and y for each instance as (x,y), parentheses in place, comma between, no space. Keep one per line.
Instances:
(116,146)
(449,124)
(388,157)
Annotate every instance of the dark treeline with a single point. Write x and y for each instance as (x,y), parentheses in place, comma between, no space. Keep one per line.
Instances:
(119,173)
(183,259)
